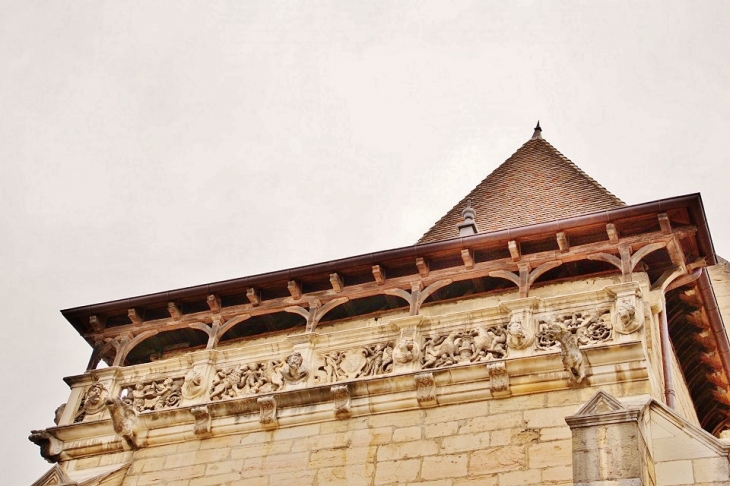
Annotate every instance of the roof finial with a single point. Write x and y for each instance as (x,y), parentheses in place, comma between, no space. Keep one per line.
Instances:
(538,131)
(469,225)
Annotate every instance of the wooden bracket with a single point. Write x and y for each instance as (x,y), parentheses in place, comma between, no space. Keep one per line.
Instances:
(422,266)
(253,296)
(214,302)
(336,282)
(418,294)
(97,323)
(174,311)
(379,274)
(664,223)
(134,317)
(612,232)
(294,289)
(514,250)
(563,242)
(467,256)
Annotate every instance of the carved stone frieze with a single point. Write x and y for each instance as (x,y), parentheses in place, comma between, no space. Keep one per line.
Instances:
(425,389)
(247,379)
(267,411)
(154,394)
(470,346)
(202,424)
(294,370)
(93,401)
(587,327)
(341,396)
(370,360)
(406,351)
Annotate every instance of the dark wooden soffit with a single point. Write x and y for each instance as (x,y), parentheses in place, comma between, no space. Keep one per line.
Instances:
(366,275)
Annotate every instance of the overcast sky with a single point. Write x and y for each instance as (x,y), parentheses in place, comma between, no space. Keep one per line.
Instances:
(148,146)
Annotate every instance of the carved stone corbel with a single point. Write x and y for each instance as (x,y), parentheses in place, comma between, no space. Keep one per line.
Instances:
(125,421)
(341,396)
(425,390)
(202,424)
(267,412)
(499,379)
(51,447)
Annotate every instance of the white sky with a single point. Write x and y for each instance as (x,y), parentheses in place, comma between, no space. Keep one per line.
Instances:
(147,146)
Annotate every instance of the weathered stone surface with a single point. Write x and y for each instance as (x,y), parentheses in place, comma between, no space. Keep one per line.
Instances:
(497,459)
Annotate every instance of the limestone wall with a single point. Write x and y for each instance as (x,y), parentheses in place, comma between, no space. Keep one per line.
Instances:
(515,440)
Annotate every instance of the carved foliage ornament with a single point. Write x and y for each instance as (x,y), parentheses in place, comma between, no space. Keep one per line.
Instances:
(154,394)
(267,411)
(470,346)
(587,327)
(371,360)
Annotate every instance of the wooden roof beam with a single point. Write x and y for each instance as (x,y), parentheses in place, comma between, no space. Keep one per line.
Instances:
(295,289)
(379,274)
(612,233)
(174,311)
(214,302)
(336,282)
(563,242)
(514,250)
(253,296)
(422,265)
(135,317)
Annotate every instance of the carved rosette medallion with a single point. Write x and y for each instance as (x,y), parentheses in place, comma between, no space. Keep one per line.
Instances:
(371,360)
(154,394)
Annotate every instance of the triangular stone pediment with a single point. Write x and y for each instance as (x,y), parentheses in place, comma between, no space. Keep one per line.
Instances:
(601,403)
(54,477)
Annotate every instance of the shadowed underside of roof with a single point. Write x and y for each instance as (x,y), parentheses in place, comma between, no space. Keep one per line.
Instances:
(536,184)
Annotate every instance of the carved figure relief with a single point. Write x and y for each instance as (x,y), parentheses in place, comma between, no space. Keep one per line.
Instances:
(478,344)
(371,360)
(517,335)
(154,395)
(588,327)
(192,386)
(93,401)
(570,354)
(626,320)
(406,351)
(124,420)
(251,379)
(294,370)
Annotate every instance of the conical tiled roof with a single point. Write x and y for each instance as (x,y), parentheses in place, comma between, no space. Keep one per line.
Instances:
(536,184)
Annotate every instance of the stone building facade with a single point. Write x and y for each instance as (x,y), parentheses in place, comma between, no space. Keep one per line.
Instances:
(542,332)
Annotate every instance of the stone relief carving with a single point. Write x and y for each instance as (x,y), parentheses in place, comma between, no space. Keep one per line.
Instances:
(517,336)
(425,389)
(498,376)
(294,371)
(51,447)
(192,386)
(124,420)
(570,353)
(406,351)
(93,401)
(478,344)
(202,424)
(341,396)
(153,395)
(371,360)
(626,320)
(267,411)
(587,327)
(247,379)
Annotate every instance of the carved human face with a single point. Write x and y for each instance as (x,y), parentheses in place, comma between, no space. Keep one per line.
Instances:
(626,313)
(515,328)
(295,360)
(93,396)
